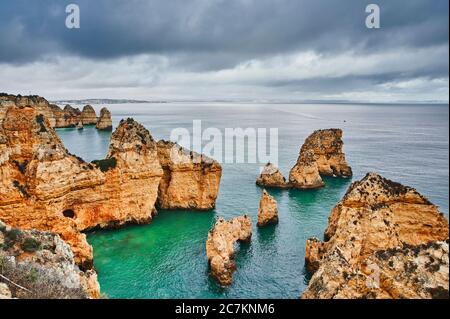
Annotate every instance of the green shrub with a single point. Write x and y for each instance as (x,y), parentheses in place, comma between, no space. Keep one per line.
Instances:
(31,245)
(106,164)
(40,120)
(13,235)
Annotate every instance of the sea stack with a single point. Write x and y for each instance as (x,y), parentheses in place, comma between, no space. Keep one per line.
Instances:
(220,246)
(88,115)
(268,210)
(384,240)
(190,180)
(327,146)
(305,174)
(71,117)
(44,187)
(271,177)
(104,122)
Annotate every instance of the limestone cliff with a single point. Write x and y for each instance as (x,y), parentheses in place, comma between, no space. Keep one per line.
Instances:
(380,228)
(57,117)
(104,122)
(36,264)
(268,210)
(305,174)
(88,116)
(220,246)
(44,187)
(327,146)
(271,177)
(190,181)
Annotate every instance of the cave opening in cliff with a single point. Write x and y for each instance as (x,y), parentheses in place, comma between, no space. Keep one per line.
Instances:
(69,213)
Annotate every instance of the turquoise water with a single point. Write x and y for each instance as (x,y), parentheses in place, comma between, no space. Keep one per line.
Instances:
(167,259)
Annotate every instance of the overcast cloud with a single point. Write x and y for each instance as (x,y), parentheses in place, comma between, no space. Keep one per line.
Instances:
(226,49)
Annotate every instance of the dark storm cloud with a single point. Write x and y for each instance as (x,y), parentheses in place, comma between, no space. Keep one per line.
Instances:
(214,34)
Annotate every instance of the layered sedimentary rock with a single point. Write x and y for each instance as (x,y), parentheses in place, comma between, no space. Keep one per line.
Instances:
(190,180)
(268,210)
(305,174)
(44,187)
(271,177)
(383,240)
(71,117)
(104,122)
(326,146)
(57,117)
(36,264)
(88,116)
(220,246)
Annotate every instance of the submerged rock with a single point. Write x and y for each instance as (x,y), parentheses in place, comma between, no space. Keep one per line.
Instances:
(268,210)
(220,246)
(104,122)
(305,174)
(271,177)
(39,265)
(383,240)
(190,180)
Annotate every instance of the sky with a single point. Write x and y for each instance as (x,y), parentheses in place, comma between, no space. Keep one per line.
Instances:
(249,50)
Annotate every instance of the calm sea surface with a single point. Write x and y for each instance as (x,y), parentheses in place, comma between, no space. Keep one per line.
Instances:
(167,258)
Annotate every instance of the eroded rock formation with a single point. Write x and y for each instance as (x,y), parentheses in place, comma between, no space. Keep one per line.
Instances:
(268,210)
(104,122)
(44,187)
(88,115)
(220,246)
(321,154)
(57,117)
(326,146)
(190,181)
(305,174)
(271,177)
(380,228)
(36,264)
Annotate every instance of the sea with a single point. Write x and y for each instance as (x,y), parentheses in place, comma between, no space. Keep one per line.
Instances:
(167,258)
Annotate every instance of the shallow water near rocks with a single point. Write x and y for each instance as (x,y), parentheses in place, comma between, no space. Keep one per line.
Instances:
(167,258)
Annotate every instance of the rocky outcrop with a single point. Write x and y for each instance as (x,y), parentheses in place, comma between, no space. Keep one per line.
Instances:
(305,174)
(383,240)
(321,154)
(104,122)
(327,146)
(88,116)
(220,246)
(57,117)
(36,264)
(268,210)
(5,293)
(190,180)
(271,177)
(46,188)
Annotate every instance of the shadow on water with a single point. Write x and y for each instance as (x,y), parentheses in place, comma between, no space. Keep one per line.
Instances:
(266,235)
(307,275)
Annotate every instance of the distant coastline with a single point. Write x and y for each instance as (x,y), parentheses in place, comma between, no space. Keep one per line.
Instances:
(103,101)
(244,101)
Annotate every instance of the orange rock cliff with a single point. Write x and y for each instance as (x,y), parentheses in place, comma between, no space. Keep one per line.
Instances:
(321,154)
(384,240)
(58,118)
(44,187)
